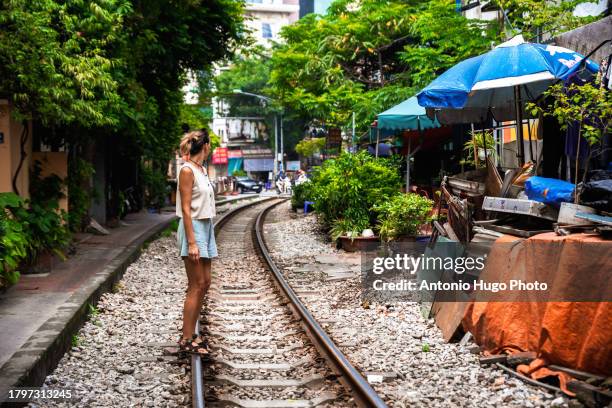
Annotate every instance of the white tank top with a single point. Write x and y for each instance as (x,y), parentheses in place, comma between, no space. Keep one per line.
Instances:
(202,194)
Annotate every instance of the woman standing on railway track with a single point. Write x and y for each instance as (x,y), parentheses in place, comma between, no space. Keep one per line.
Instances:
(195,205)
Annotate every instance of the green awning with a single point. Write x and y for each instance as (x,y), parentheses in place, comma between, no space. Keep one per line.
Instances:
(408,115)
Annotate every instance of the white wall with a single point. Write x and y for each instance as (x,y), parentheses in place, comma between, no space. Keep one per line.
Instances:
(277,14)
(274,13)
(242,130)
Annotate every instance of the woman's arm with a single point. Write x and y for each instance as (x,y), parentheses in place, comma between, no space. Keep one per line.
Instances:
(185,188)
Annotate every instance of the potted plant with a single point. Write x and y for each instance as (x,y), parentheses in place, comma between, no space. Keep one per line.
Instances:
(301,193)
(345,189)
(478,148)
(348,233)
(401,217)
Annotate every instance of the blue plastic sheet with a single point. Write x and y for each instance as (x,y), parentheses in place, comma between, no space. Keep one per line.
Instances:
(549,191)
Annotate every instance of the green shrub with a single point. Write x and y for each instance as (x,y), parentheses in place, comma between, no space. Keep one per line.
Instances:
(239,173)
(348,227)
(47,228)
(403,214)
(300,193)
(14,242)
(30,228)
(48,225)
(348,187)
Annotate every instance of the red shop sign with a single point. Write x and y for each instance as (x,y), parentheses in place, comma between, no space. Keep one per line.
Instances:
(220,155)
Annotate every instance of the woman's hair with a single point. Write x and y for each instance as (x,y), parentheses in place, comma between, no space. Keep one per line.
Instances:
(193,142)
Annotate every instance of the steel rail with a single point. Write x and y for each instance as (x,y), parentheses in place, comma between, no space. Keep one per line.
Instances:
(197,377)
(361,390)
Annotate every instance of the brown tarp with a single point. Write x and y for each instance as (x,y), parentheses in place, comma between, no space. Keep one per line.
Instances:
(573,334)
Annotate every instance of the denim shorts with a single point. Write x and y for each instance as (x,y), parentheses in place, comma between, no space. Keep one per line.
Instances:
(204,235)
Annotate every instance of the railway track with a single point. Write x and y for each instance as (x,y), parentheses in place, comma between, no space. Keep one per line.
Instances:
(267,349)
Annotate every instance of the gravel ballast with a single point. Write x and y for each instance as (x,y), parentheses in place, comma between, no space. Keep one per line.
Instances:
(417,366)
(117,358)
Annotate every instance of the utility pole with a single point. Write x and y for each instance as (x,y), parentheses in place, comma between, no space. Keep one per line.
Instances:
(353,135)
(282,144)
(275,171)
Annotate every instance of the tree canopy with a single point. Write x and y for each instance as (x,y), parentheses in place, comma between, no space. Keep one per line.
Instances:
(537,18)
(55,59)
(367,58)
(117,64)
(112,71)
(250,72)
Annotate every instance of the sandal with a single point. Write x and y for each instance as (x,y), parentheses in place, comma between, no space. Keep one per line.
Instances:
(201,342)
(194,346)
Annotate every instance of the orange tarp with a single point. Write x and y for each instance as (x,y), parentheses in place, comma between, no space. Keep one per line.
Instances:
(573,334)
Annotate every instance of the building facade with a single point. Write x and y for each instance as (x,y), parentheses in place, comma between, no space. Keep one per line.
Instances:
(244,140)
(314,6)
(265,18)
(20,149)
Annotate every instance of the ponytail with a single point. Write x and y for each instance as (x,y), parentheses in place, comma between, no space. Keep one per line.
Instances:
(193,142)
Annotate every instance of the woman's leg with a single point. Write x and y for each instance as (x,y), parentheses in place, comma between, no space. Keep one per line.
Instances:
(198,282)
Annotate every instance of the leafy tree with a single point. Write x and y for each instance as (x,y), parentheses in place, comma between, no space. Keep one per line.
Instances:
(365,59)
(250,72)
(164,41)
(537,18)
(111,72)
(198,117)
(308,147)
(54,60)
(588,107)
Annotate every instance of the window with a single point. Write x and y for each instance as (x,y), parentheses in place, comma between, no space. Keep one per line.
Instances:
(266,30)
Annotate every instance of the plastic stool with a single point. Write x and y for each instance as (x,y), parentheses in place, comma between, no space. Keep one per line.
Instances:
(306,205)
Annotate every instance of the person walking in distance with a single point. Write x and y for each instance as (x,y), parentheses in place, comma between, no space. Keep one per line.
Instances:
(195,205)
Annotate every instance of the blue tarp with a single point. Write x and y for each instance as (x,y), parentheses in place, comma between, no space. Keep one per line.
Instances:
(384,150)
(406,116)
(549,191)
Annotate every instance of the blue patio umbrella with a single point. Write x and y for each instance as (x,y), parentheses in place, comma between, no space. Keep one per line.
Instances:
(493,82)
